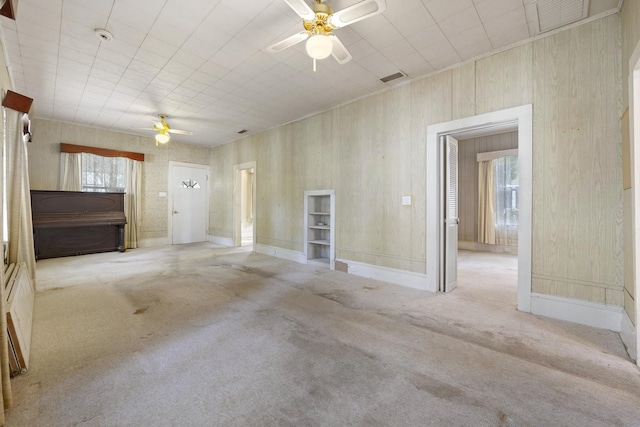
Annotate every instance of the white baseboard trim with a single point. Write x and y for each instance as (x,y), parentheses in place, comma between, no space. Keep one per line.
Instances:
(629,336)
(153,241)
(277,252)
(578,311)
(219,240)
(391,275)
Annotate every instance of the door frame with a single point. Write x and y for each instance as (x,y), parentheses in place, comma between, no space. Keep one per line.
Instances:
(237,198)
(172,164)
(632,337)
(523,116)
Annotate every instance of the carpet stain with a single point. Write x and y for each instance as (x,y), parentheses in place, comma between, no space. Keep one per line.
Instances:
(435,388)
(251,270)
(141,310)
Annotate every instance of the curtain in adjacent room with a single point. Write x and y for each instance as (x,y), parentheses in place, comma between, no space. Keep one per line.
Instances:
(132,203)
(486,203)
(71,171)
(506,212)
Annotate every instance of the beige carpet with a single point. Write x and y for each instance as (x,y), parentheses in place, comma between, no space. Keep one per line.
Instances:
(197,335)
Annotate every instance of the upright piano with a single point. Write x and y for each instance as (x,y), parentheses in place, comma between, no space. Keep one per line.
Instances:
(74,222)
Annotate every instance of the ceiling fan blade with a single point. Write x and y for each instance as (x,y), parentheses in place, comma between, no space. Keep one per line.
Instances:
(339,51)
(180,132)
(302,9)
(357,12)
(288,42)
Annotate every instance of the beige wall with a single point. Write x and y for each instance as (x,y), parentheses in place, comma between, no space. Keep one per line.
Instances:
(372,152)
(630,39)
(44,165)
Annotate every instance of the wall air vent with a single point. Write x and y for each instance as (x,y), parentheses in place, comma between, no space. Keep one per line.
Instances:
(547,15)
(391,77)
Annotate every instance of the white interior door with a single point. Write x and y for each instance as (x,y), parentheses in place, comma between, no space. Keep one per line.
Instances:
(451,219)
(189,207)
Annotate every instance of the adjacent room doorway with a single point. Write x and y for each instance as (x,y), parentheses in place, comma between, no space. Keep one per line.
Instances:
(188,202)
(441,262)
(244,204)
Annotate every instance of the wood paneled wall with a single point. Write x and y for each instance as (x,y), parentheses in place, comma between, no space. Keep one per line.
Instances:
(468,178)
(577,190)
(372,152)
(44,164)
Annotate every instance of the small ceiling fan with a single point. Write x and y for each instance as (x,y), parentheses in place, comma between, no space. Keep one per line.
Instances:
(163,129)
(319,21)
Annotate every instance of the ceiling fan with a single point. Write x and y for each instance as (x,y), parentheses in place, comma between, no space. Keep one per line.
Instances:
(163,129)
(319,20)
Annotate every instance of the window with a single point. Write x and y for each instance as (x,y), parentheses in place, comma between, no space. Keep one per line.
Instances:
(506,191)
(189,183)
(103,174)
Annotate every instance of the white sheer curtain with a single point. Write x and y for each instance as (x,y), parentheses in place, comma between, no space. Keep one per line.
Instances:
(20,246)
(506,199)
(71,171)
(132,203)
(5,389)
(20,242)
(486,203)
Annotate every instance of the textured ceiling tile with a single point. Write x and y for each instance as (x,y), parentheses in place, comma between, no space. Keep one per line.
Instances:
(207,58)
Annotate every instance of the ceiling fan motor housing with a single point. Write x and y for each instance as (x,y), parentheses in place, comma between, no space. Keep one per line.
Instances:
(320,25)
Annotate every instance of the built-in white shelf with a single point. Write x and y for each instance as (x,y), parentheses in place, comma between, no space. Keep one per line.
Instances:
(319,225)
(320,242)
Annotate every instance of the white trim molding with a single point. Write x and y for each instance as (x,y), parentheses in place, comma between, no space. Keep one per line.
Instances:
(277,252)
(523,116)
(628,335)
(220,240)
(578,311)
(391,275)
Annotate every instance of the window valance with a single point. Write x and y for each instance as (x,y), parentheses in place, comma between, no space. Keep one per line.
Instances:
(104,152)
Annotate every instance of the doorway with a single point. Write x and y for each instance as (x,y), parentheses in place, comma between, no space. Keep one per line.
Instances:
(244,205)
(188,202)
(521,118)
(487,213)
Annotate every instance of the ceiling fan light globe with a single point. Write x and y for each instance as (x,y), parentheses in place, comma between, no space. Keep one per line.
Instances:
(162,138)
(319,46)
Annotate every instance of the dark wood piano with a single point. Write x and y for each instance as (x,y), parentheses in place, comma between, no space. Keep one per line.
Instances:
(75,223)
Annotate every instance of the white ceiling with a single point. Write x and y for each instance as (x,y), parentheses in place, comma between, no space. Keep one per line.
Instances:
(204,62)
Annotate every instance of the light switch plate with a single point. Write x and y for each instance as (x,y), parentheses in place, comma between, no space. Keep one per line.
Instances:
(162,194)
(406,200)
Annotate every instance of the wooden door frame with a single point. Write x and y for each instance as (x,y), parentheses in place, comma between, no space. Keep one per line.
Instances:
(237,200)
(523,116)
(172,164)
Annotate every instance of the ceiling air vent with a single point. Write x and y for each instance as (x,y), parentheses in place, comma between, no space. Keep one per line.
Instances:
(391,77)
(547,15)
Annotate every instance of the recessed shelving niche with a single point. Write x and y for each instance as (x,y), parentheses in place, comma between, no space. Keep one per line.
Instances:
(319,225)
